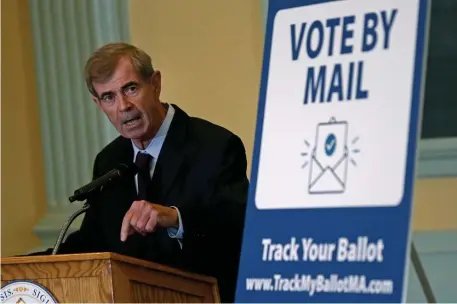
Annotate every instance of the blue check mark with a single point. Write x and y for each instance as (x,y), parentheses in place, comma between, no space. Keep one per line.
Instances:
(330,144)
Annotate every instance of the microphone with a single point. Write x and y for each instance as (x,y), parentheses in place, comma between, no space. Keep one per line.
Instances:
(120,171)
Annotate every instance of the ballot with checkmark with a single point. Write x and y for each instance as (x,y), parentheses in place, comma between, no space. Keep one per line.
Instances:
(329,159)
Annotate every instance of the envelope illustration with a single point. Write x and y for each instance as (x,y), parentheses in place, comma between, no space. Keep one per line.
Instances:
(329,158)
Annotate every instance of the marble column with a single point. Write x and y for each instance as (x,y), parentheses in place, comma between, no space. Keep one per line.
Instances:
(73,130)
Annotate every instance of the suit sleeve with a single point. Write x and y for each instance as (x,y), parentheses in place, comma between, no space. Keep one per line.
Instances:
(213,228)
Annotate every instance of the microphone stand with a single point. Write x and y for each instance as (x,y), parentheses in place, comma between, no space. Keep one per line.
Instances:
(425,284)
(67,224)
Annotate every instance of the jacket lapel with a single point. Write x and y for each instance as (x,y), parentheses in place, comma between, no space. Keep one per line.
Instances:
(128,190)
(171,156)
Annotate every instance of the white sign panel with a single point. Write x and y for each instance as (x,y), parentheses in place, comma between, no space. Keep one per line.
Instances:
(337,106)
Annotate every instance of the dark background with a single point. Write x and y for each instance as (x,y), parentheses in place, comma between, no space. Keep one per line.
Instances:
(440,104)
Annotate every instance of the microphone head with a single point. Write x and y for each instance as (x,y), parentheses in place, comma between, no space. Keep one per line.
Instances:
(120,171)
(128,169)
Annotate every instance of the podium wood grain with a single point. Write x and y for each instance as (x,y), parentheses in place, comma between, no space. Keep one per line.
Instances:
(109,277)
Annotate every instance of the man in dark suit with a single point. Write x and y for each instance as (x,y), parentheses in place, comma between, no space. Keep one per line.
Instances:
(186,206)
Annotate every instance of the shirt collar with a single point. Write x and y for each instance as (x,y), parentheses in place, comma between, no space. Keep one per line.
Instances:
(156,143)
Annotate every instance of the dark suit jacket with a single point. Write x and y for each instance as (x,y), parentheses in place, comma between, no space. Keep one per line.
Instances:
(201,170)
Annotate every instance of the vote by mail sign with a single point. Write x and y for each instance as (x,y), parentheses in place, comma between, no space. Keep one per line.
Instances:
(328,217)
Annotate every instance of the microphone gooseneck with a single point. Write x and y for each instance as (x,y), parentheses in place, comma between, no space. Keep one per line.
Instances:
(66,225)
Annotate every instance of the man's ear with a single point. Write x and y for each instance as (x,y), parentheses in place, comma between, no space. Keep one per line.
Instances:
(156,81)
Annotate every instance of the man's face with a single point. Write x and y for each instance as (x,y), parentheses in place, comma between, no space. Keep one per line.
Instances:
(131,103)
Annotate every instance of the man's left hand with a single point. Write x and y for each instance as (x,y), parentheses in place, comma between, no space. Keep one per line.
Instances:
(143,217)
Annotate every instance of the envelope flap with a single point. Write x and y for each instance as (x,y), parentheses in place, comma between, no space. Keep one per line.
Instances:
(328,182)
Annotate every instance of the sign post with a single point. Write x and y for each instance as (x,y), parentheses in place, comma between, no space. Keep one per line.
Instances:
(330,202)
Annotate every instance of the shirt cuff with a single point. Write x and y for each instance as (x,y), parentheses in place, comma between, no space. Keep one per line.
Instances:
(176,233)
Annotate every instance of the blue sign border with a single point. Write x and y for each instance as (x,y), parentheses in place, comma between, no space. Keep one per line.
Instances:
(390,223)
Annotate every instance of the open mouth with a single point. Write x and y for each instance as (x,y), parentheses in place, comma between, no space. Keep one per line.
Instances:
(132,121)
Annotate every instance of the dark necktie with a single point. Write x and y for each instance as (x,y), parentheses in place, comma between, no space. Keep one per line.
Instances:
(144,245)
(157,246)
(143,161)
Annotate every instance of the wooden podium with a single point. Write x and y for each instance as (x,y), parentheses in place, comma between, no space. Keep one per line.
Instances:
(109,277)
